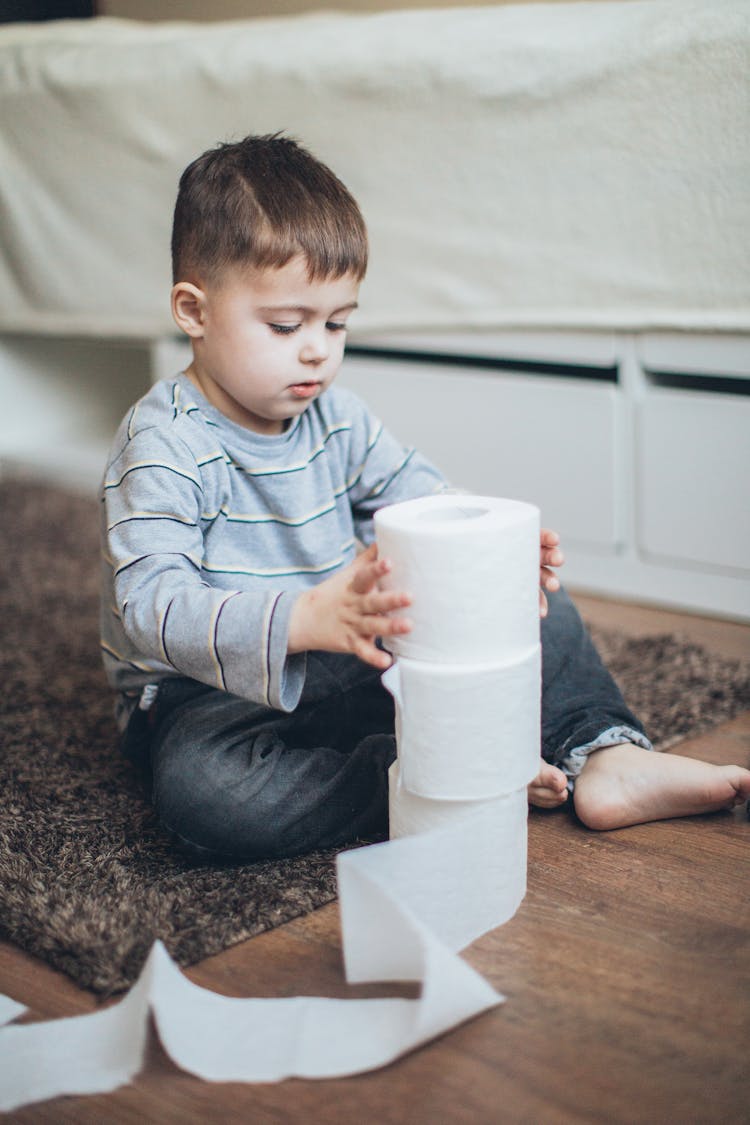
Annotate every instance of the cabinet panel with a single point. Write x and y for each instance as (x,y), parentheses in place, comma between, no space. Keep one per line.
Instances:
(63,400)
(693,478)
(551,441)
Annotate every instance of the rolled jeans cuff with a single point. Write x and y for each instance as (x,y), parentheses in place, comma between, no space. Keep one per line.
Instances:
(574,762)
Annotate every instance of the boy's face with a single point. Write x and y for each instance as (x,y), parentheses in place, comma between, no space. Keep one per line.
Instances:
(266,343)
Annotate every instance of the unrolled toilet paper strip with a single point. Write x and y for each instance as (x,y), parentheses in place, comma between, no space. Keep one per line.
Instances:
(467,731)
(453,899)
(471,565)
(407,905)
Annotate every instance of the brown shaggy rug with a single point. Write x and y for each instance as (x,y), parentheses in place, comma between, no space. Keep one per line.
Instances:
(87,878)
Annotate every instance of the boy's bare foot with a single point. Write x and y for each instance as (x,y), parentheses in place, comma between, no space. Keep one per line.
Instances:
(625,784)
(549,788)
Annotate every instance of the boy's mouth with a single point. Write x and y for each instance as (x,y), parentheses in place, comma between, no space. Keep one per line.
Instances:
(305,390)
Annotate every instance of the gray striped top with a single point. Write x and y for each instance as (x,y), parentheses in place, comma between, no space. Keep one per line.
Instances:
(210,531)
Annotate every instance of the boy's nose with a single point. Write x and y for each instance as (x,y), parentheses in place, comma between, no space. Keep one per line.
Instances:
(314,349)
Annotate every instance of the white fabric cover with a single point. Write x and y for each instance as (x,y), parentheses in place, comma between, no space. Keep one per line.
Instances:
(547,165)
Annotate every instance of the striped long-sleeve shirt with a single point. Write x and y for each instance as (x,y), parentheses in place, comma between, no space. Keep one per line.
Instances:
(211,531)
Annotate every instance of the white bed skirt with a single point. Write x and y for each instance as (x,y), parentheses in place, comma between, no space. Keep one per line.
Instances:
(541,165)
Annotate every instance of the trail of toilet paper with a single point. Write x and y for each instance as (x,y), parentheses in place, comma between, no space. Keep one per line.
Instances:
(456,869)
(402,919)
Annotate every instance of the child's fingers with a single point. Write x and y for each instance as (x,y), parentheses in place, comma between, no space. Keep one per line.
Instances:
(367,650)
(380,626)
(552,556)
(378,616)
(548,579)
(550,552)
(384,601)
(368,570)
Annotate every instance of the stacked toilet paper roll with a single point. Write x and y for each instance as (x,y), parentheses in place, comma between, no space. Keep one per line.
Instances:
(471,564)
(466,680)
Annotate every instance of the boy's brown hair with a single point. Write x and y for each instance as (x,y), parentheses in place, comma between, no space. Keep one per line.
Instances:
(260,202)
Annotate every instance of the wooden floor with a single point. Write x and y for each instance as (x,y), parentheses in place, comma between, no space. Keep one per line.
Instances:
(627,972)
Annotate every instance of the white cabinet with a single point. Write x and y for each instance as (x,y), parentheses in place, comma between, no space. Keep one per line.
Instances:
(693,479)
(636,448)
(693,452)
(62,400)
(551,441)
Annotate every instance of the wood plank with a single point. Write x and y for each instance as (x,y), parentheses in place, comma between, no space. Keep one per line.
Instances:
(727,638)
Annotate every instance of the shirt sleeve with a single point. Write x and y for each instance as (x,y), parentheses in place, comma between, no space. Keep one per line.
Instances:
(232,639)
(383,471)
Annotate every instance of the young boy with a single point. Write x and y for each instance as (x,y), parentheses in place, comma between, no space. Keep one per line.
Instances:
(239,624)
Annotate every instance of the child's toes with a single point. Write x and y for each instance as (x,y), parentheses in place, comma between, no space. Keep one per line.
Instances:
(549,789)
(546,799)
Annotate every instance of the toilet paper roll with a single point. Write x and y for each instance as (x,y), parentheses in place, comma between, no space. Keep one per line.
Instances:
(467,731)
(471,858)
(471,565)
(412,815)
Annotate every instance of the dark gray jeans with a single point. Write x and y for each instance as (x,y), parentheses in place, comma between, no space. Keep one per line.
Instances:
(231,778)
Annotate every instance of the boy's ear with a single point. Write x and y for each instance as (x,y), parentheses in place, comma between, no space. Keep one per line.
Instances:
(188,306)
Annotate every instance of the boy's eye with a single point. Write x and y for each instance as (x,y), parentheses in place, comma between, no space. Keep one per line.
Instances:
(287,329)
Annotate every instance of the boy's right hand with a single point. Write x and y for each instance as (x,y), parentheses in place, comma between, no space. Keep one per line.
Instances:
(348,611)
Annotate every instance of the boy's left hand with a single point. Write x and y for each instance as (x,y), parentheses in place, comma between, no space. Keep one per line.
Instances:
(549,555)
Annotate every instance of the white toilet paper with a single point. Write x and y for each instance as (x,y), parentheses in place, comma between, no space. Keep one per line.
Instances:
(472,878)
(471,565)
(412,815)
(406,906)
(467,683)
(467,731)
